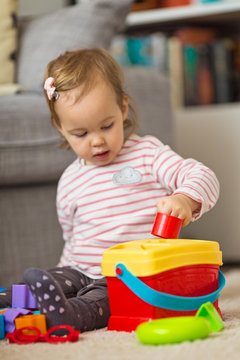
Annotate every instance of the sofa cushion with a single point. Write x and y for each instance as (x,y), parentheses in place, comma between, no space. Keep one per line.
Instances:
(29,144)
(150,90)
(8,40)
(89,24)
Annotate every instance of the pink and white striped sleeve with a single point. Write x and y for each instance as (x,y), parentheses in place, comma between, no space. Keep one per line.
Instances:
(186,176)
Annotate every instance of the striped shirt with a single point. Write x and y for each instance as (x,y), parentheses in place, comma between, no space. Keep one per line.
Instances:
(101,206)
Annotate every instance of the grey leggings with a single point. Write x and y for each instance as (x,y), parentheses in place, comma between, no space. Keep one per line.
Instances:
(81,289)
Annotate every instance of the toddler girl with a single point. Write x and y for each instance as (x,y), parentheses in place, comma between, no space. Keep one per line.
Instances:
(110,194)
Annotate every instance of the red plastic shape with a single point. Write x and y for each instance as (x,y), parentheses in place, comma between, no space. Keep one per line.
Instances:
(167,226)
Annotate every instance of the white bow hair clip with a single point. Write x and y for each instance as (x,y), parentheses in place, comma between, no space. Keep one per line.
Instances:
(50,89)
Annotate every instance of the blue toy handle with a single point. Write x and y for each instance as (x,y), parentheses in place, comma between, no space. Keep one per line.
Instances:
(162,300)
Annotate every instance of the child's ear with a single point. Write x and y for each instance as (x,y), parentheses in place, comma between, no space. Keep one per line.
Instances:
(125,106)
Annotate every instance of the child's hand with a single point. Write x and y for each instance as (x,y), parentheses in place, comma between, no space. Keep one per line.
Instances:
(178,205)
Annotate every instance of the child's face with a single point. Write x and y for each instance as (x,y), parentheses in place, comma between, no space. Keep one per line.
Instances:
(93,126)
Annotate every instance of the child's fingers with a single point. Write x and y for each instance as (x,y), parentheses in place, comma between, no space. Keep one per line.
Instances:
(186,221)
(171,205)
(165,206)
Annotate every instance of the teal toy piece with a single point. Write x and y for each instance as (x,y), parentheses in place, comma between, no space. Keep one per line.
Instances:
(2,327)
(162,300)
(173,330)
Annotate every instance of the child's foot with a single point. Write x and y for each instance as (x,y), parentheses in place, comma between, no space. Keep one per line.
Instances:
(50,299)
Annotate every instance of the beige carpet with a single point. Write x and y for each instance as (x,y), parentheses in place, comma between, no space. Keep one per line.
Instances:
(103,344)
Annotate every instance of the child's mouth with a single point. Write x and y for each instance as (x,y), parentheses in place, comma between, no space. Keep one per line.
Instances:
(102,156)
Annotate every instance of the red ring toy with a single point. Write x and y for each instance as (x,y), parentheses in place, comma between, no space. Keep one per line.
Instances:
(19,337)
(72,336)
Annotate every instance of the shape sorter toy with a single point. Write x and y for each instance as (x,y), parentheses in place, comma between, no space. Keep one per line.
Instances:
(160,278)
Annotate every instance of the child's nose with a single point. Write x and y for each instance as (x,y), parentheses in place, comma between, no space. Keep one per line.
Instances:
(97,140)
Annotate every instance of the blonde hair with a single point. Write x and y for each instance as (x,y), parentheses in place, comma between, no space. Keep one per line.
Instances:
(83,67)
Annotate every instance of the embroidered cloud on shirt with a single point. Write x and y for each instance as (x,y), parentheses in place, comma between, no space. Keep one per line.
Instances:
(126,176)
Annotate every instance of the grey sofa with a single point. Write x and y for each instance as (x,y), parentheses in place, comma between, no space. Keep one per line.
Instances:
(31,161)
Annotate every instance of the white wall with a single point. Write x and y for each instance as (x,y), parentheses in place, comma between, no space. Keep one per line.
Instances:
(212,135)
(34,7)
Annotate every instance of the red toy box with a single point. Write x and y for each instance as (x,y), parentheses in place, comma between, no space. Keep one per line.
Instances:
(185,268)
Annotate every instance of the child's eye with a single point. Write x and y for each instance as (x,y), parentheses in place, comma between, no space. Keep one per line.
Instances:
(106,127)
(81,134)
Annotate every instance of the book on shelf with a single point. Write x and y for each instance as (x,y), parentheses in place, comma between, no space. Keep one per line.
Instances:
(190,69)
(208,72)
(205,81)
(141,5)
(222,55)
(175,71)
(203,68)
(190,74)
(196,35)
(174,3)
(196,65)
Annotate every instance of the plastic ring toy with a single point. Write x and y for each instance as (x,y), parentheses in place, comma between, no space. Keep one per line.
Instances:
(72,336)
(173,330)
(19,337)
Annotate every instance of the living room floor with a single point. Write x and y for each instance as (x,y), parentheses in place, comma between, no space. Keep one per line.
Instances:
(103,344)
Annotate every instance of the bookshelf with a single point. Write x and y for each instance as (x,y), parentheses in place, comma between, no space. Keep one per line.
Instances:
(208,133)
(152,33)
(216,12)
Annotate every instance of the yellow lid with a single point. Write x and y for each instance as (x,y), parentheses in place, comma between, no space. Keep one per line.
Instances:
(152,256)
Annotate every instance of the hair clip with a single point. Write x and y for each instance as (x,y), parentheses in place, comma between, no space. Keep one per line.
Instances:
(50,89)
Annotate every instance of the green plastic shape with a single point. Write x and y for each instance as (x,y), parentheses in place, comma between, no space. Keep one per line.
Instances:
(208,311)
(173,330)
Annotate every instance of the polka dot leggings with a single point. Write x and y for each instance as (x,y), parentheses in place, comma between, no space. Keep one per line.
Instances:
(67,296)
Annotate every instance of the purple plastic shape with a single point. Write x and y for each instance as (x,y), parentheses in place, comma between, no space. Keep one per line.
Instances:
(10,315)
(22,297)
